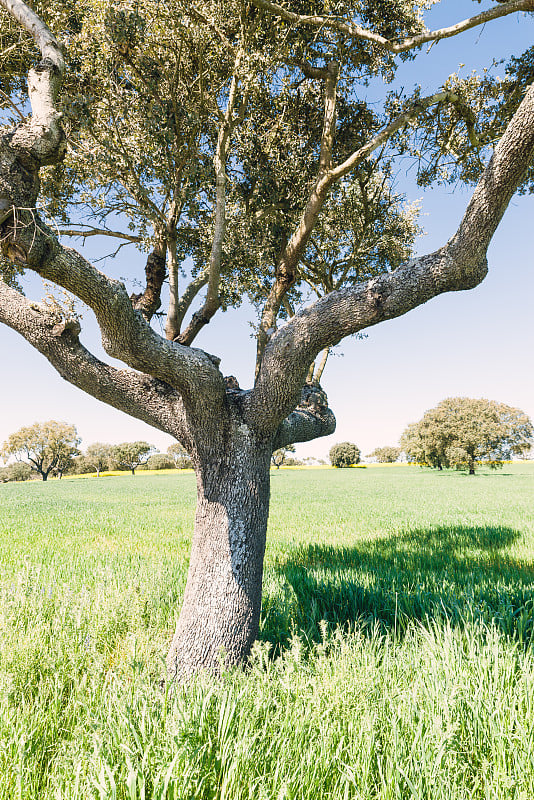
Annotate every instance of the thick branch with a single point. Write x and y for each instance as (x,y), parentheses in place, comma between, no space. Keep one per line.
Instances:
(310,420)
(146,398)
(400,46)
(460,264)
(125,334)
(41,137)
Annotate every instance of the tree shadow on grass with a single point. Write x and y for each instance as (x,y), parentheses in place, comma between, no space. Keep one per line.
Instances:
(462,574)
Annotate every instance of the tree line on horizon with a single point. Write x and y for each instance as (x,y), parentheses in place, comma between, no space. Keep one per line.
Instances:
(460,433)
(52,448)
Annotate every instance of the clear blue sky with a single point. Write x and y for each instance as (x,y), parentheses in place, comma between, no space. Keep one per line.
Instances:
(476,344)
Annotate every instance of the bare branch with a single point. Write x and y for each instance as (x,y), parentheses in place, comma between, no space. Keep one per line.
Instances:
(188,295)
(84,233)
(10,102)
(315,21)
(41,136)
(320,369)
(150,300)
(388,131)
(400,46)
(209,23)
(125,333)
(44,39)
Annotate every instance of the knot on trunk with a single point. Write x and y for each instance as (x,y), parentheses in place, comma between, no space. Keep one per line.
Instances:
(68,326)
(313,399)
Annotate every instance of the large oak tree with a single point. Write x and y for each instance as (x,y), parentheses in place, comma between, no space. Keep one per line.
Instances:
(230,137)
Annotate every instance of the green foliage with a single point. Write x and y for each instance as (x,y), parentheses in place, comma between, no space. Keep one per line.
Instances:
(160,461)
(386,455)
(462,433)
(130,455)
(45,446)
(396,642)
(180,456)
(344,454)
(140,107)
(454,142)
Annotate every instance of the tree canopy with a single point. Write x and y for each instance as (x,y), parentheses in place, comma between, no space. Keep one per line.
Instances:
(465,433)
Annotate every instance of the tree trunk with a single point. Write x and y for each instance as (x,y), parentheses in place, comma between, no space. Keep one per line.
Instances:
(220,613)
(471,470)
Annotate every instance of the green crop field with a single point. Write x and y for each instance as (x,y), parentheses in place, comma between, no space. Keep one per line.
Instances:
(396,658)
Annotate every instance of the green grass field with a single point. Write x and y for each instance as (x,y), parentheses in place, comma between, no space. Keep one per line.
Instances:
(396,658)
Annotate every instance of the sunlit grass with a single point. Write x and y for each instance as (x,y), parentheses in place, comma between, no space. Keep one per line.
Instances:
(395,658)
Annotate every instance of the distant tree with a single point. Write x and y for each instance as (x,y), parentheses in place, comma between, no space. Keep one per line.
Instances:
(131,455)
(180,456)
(45,446)
(344,454)
(79,466)
(423,445)
(15,472)
(385,455)
(279,457)
(160,461)
(462,432)
(293,462)
(98,456)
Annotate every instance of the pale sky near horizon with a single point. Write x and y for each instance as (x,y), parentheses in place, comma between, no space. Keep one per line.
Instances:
(477,343)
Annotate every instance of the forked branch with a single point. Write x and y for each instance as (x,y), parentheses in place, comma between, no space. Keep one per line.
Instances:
(145,398)
(286,270)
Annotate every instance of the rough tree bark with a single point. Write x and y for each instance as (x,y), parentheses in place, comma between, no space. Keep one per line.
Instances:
(230,434)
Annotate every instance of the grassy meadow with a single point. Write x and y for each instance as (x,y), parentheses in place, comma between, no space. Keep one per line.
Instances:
(395,661)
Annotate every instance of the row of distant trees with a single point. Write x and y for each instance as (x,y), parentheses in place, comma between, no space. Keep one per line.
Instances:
(53,448)
(460,432)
